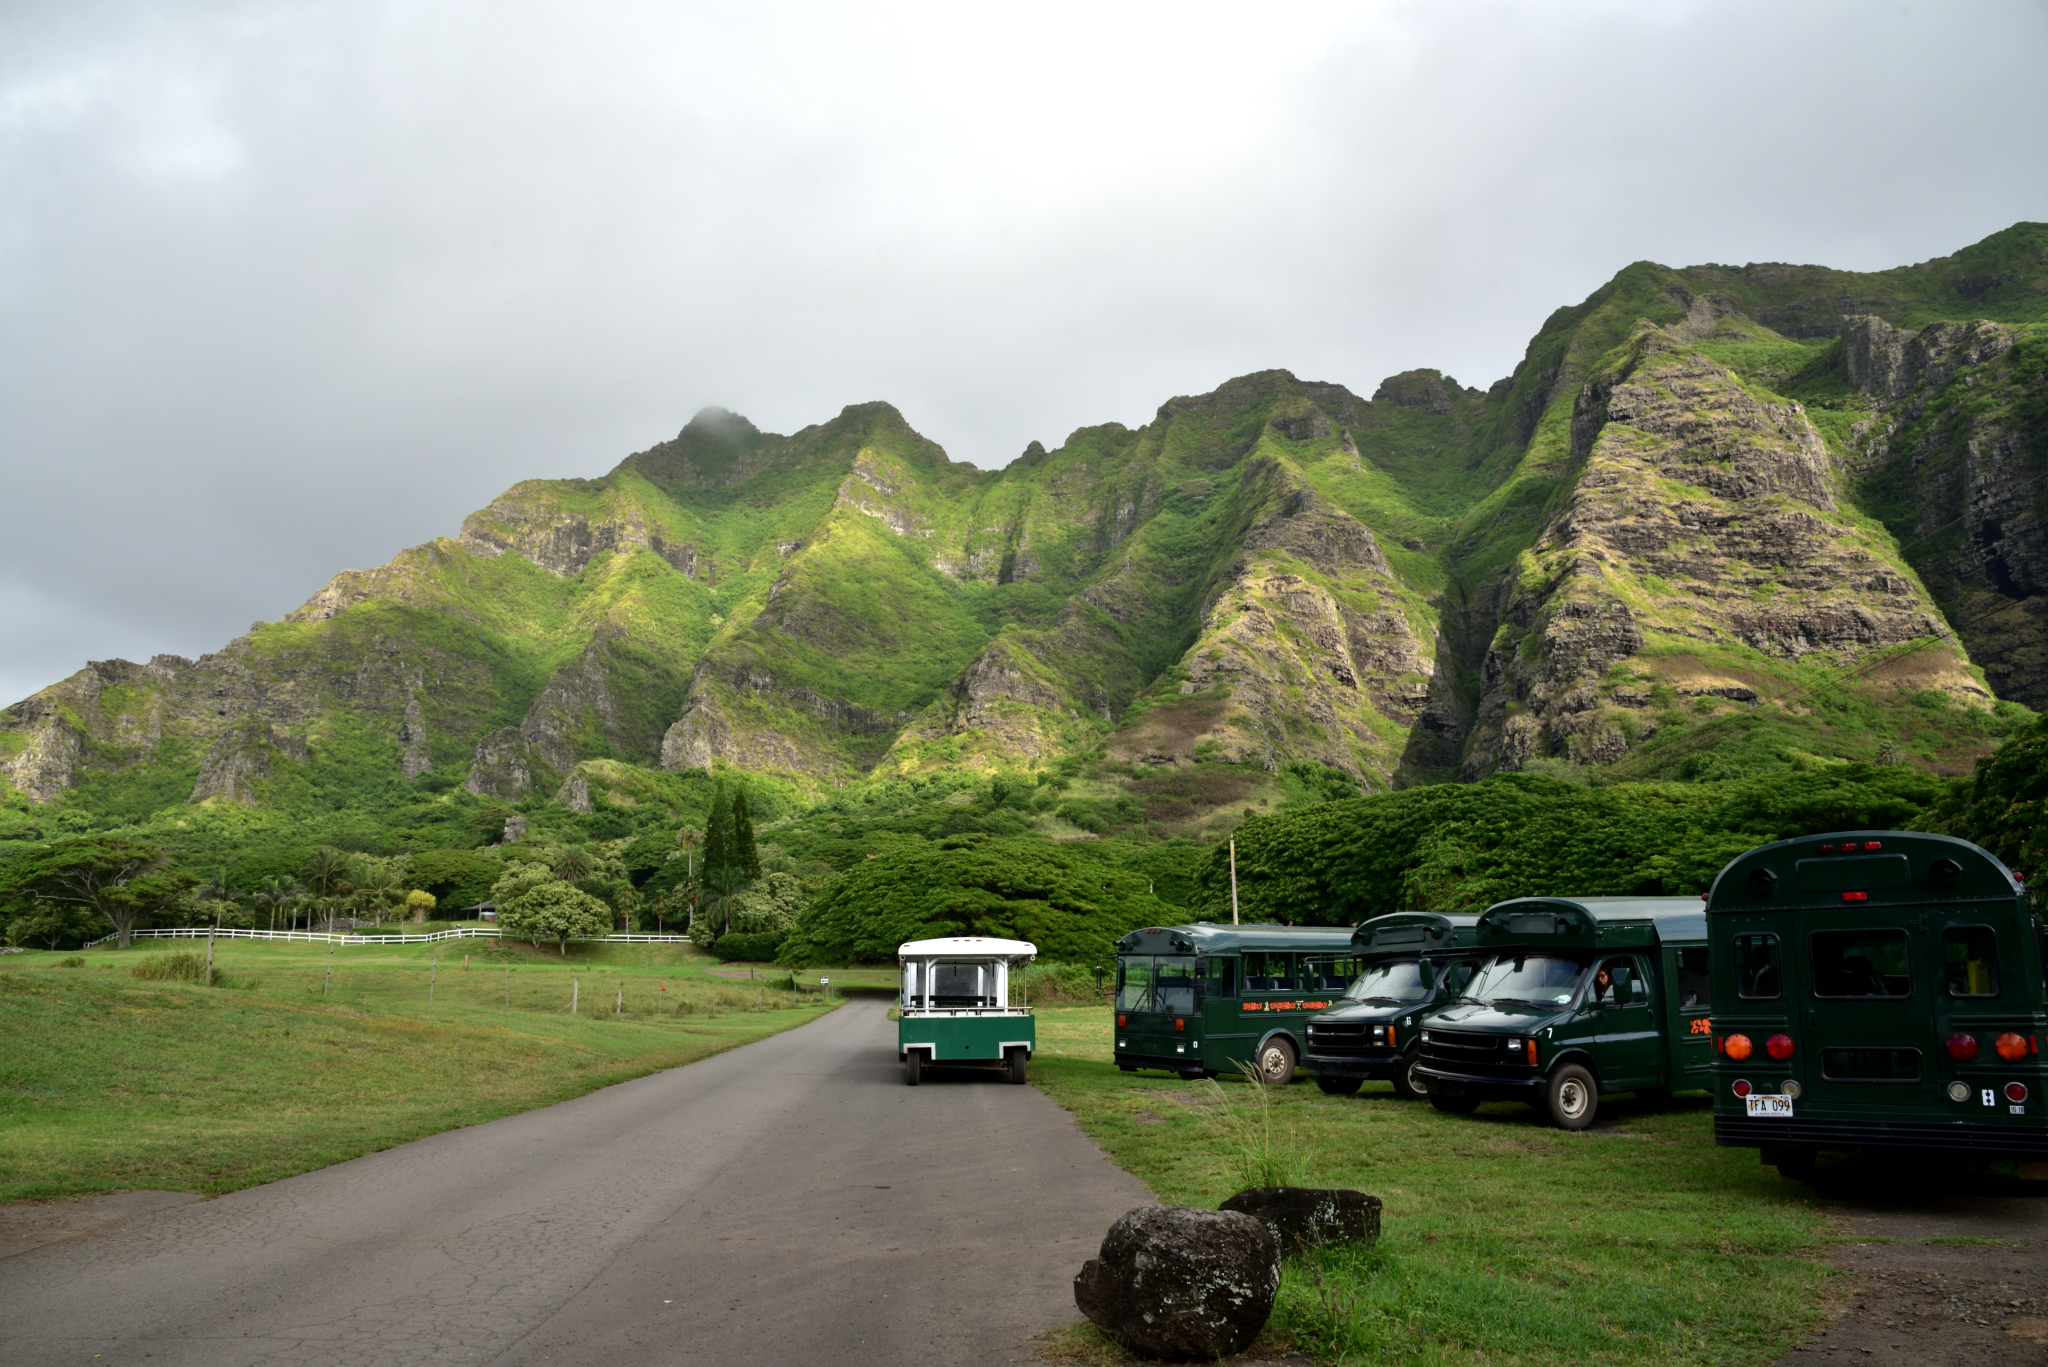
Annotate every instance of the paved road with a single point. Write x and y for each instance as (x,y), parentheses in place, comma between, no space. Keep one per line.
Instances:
(788,1202)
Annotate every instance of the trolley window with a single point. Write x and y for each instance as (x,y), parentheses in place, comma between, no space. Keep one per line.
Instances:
(1861,963)
(1756,968)
(963,985)
(1694,991)
(1970,961)
(1222,977)
(1329,975)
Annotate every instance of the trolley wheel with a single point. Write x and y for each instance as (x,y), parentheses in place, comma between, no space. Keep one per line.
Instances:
(913,1068)
(1407,1086)
(1276,1062)
(1572,1099)
(1453,1103)
(1017,1057)
(1338,1086)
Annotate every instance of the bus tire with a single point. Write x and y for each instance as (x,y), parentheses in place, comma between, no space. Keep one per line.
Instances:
(1572,1099)
(1453,1103)
(1276,1062)
(1407,1086)
(913,1068)
(1018,1059)
(1338,1086)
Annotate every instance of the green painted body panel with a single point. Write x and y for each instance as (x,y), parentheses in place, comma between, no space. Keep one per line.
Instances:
(1661,1042)
(959,1039)
(1229,1020)
(1861,930)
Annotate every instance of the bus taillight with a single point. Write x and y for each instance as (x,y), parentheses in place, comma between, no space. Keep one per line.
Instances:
(1741,1087)
(1779,1047)
(1962,1048)
(2015,1091)
(1738,1047)
(2012,1048)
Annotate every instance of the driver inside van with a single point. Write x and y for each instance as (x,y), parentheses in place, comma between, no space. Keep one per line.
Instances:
(1603,983)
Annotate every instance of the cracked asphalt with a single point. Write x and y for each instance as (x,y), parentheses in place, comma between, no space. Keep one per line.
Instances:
(789,1201)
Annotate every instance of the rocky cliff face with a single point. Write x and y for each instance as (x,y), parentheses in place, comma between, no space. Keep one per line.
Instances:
(1703,495)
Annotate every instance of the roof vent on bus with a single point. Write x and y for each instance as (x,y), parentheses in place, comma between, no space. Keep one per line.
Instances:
(1763,880)
(1947,868)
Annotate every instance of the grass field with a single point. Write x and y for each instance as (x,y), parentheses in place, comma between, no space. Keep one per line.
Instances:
(111,1082)
(1504,1241)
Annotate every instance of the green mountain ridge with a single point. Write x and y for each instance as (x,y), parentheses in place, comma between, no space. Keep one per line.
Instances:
(1717,514)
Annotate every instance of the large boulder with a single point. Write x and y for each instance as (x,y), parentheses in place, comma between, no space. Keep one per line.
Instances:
(1178,1283)
(1300,1216)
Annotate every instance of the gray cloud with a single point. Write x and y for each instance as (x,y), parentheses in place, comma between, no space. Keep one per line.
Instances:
(287,287)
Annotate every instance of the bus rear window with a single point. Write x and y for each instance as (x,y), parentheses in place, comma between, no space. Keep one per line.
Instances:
(1756,968)
(1861,963)
(1694,990)
(1970,961)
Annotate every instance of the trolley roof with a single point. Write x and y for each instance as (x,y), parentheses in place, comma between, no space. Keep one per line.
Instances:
(1860,866)
(1593,922)
(967,947)
(1414,932)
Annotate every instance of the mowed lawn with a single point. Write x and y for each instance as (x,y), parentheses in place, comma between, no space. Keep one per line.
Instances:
(1504,1241)
(109,1082)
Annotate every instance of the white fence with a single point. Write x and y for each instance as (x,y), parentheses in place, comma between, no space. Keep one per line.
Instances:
(347,938)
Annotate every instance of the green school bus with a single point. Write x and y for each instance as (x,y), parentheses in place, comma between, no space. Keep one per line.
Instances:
(955,1006)
(1877,990)
(1576,997)
(1203,999)
(1413,962)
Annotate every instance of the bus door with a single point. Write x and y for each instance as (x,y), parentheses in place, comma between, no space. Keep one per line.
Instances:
(1689,1016)
(1271,993)
(1980,991)
(1228,1033)
(1629,1046)
(1868,1037)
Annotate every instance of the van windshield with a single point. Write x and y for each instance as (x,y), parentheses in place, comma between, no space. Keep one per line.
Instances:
(1526,980)
(1394,982)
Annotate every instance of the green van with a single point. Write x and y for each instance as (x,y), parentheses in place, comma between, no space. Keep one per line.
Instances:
(1204,999)
(1575,997)
(1877,990)
(1413,963)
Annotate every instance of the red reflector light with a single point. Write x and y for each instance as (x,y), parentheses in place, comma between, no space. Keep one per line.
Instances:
(1827,849)
(1181,1026)
(1873,844)
(2012,1048)
(1962,1047)
(2015,1091)
(1739,1047)
(1779,1047)
(1742,1086)
(1855,897)
(1122,1021)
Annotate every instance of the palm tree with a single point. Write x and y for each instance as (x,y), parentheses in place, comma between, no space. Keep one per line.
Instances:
(381,890)
(326,870)
(574,864)
(722,883)
(275,894)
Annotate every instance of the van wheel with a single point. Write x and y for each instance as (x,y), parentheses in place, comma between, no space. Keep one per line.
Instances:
(1407,1085)
(1276,1063)
(1017,1058)
(1451,1103)
(1572,1099)
(913,1068)
(1339,1086)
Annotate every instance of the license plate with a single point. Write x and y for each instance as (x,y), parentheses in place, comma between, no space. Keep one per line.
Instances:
(1768,1105)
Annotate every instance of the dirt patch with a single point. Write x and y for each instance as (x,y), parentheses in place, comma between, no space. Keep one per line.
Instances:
(1942,1275)
(31,1224)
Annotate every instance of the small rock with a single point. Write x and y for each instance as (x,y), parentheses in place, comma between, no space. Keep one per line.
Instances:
(1178,1283)
(1300,1216)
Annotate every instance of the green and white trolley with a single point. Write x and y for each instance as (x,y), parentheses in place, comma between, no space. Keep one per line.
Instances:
(955,1006)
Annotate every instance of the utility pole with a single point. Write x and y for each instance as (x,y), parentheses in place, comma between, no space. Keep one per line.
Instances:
(1233,880)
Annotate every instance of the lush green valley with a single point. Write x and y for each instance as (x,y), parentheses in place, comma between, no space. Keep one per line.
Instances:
(1733,551)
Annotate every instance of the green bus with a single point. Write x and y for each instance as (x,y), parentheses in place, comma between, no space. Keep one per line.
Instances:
(956,1006)
(1413,963)
(1877,990)
(1204,999)
(1576,997)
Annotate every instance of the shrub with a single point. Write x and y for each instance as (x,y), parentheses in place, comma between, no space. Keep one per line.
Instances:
(181,967)
(757,948)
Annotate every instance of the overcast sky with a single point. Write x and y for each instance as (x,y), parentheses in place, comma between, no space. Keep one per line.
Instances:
(287,287)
